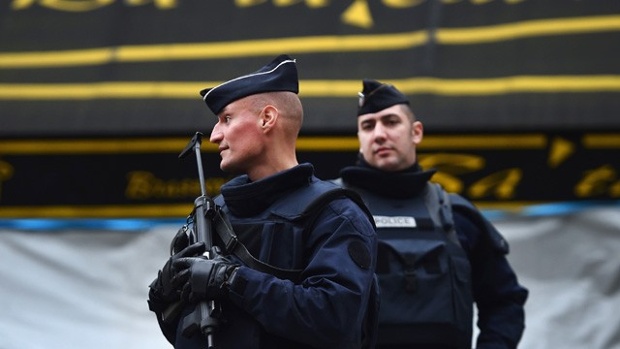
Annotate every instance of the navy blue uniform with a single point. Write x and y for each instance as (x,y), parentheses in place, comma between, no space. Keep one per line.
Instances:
(498,296)
(328,306)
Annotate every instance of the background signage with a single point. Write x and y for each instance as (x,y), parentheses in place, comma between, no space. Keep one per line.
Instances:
(143,177)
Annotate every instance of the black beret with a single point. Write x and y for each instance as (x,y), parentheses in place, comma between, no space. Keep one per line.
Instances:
(377,96)
(279,75)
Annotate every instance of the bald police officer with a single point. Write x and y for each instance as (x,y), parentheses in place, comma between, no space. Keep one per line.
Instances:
(330,302)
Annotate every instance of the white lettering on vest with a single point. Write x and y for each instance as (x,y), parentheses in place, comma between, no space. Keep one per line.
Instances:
(394,222)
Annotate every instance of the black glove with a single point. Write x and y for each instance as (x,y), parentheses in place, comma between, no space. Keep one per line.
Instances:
(207,279)
(168,285)
(180,241)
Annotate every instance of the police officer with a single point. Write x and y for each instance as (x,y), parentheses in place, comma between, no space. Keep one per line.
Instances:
(430,304)
(329,304)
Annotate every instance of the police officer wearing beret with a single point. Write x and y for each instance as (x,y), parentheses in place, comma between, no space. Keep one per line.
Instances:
(331,303)
(395,188)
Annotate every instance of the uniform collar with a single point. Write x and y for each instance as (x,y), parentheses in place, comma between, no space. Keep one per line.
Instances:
(246,198)
(401,184)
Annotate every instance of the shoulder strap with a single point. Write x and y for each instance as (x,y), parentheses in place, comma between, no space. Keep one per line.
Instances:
(314,209)
(438,202)
(440,208)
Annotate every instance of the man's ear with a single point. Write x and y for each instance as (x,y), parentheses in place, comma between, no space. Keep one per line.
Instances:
(417,131)
(268,117)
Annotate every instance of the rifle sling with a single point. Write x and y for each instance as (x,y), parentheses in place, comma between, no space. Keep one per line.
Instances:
(233,245)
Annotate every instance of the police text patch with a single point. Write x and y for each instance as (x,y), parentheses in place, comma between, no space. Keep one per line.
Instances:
(395,222)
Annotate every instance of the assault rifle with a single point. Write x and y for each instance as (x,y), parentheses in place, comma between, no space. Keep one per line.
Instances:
(207,313)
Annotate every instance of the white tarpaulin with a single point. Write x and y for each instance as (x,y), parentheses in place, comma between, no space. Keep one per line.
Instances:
(85,288)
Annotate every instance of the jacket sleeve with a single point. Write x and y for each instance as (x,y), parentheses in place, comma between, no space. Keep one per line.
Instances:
(327,308)
(499,297)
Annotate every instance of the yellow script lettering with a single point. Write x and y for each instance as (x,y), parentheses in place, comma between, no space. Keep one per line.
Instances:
(596,182)
(504,182)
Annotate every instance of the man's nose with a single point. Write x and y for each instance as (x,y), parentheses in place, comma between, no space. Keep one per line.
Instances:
(216,134)
(379,132)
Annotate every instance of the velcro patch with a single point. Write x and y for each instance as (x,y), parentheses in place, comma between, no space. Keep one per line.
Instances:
(359,254)
(395,222)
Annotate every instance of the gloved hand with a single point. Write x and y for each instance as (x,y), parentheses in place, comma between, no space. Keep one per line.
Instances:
(207,279)
(181,240)
(168,285)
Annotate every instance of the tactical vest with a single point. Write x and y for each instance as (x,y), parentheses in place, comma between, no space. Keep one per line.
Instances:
(288,223)
(424,274)
(296,215)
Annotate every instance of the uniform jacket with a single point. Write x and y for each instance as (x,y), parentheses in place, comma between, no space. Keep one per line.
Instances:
(327,307)
(498,296)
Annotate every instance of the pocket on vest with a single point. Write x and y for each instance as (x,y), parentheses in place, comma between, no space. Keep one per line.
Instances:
(421,283)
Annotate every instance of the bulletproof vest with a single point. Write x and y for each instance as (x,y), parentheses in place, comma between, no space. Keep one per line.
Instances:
(424,274)
(288,223)
(285,223)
